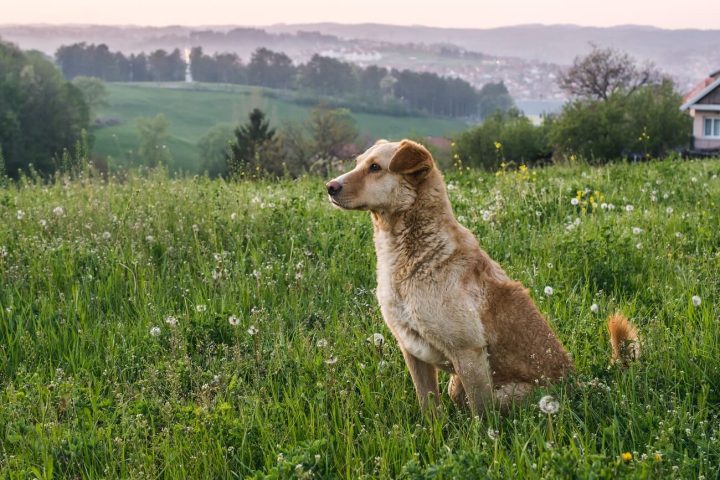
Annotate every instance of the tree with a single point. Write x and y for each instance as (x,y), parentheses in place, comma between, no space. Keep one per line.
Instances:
(270,69)
(249,142)
(327,76)
(152,149)
(41,114)
(332,131)
(647,123)
(215,147)
(494,97)
(604,72)
(94,93)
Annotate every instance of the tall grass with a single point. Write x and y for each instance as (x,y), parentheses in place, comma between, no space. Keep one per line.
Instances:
(188,328)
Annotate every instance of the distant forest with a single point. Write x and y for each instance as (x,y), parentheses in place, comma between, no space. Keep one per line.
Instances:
(395,91)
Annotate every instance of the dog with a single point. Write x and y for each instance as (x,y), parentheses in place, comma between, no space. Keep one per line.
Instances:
(447,303)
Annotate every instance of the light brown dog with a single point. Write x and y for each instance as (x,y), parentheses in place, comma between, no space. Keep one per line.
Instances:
(448,304)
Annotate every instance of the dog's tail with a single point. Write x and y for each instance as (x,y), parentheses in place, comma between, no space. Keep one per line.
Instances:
(623,339)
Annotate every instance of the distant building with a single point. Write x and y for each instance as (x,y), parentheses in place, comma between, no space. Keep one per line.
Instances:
(703,105)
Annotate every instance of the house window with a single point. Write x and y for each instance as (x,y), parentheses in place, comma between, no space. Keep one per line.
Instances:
(712,127)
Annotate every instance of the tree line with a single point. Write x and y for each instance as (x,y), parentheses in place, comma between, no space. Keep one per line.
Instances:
(402,91)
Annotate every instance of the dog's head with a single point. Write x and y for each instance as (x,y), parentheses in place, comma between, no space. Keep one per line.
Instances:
(386,177)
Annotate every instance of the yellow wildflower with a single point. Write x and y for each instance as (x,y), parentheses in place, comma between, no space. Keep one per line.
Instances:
(627,456)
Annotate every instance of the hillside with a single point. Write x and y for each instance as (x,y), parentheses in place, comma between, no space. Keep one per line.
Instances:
(193,110)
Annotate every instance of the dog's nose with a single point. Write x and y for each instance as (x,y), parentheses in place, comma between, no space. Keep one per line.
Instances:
(333,187)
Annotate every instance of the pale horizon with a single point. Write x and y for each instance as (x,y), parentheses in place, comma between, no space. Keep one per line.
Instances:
(452,14)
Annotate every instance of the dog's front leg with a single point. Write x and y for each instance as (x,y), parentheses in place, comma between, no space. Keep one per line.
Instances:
(424,376)
(473,367)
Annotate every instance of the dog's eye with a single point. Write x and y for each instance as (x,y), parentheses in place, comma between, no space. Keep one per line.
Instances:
(374,167)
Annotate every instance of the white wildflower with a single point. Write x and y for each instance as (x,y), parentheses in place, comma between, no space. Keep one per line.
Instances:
(59,211)
(233,320)
(493,434)
(106,236)
(629,208)
(322,343)
(171,320)
(200,308)
(636,230)
(574,201)
(594,308)
(20,214)
(549,405)
(696,300)
(548,291)
(155,331)
(233,216)
(604,206)
(252,330)
(149,239)
(332,360)
(669,210)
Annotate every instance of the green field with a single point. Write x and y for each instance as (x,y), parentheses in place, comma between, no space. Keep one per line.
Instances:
(193,110)
(192,328)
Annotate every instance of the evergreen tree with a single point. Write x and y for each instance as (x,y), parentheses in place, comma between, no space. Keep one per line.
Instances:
(249,142)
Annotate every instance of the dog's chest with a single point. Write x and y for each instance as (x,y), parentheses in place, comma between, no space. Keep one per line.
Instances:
(408,321)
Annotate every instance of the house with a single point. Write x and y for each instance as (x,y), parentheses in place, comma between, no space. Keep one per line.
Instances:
(703,105)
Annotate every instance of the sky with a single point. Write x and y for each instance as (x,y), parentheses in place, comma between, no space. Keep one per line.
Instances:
(704,14)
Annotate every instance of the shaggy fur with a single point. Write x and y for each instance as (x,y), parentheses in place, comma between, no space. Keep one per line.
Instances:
(448,304)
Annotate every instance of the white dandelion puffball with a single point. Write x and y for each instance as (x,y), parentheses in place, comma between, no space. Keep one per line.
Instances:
(171,320)
(106,235)
(149,239)
(549,405)
(594,308)
(548,291)
(252,330)
(331,361)
(20,214)
(376,339)
(322,343)
(629,208)
(574,201)
(696,300)
(636,230)
(59,211)
(233,320)
(200,308)
(155,331)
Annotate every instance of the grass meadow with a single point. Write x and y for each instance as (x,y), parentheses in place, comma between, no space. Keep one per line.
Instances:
(192,110)
(159,327)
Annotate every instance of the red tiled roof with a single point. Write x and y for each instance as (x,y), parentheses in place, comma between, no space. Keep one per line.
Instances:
(698,88)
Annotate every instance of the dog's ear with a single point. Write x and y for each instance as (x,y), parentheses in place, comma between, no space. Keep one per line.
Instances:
(411,159)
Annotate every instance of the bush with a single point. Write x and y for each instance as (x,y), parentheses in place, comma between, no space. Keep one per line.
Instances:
(503,137)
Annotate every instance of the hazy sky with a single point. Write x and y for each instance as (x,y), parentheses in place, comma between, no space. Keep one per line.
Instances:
(444,13)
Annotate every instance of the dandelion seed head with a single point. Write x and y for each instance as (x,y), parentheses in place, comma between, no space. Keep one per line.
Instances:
(322,343)
(594,308)
(376,339)
(233,320)
(155,331)
(548,290)
(171,320)
(200,307)
(696,300)
(252,330)
(59,211)
(549,405)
